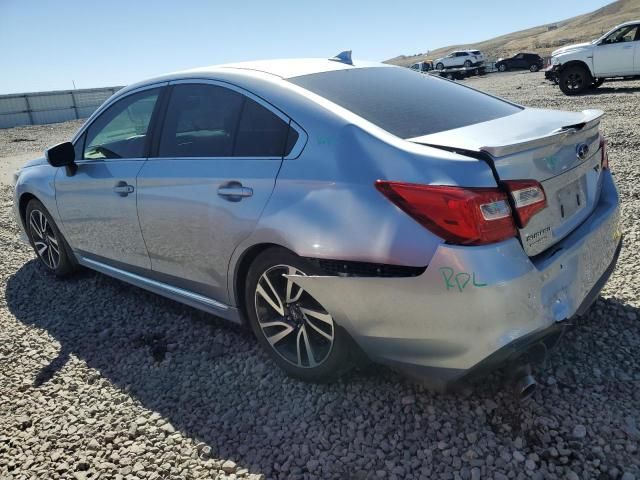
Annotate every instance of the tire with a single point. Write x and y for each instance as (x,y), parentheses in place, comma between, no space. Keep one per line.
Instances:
(439,66)
(597,83)
(534,68)
(314,348)
(574,80)
(47,241)
(502,67)
(467,63)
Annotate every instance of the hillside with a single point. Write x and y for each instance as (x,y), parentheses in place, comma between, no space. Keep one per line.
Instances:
(543,39)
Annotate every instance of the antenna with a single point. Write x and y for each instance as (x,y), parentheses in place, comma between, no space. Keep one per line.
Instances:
(343,57)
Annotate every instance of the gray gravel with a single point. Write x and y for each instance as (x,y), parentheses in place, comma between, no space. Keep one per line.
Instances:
(101,379)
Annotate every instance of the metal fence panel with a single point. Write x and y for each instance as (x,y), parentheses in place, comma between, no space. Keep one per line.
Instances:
(50,102)
(53,116)
(51,107)
(8,120)
(13,105)
(92,99)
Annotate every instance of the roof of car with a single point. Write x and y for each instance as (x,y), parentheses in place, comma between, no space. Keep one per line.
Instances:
(288,68)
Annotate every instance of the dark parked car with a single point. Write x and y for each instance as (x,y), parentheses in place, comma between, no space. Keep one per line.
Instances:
(529,61)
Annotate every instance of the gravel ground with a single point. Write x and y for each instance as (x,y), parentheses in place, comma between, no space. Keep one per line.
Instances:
(99,379)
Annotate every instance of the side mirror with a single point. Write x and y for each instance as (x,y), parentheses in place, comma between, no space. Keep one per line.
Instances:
(63,155)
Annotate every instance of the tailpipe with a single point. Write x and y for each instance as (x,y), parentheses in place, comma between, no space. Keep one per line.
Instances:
(524,385)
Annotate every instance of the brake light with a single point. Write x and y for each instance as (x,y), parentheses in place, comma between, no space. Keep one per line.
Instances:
(528,199)
(604,151)
(465,216)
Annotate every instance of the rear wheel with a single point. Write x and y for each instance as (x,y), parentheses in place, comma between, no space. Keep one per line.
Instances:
(439,66)
(467,63)
(574,80)
(293,327)
(47,241)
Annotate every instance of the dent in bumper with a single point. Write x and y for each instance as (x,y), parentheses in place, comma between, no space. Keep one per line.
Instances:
(472,301)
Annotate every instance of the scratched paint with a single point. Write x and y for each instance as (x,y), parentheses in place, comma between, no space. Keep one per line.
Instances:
(459,280)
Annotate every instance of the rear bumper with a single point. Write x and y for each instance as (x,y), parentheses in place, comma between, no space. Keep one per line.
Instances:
(472,302)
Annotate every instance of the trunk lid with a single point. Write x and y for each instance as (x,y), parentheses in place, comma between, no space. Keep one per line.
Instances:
(561,150)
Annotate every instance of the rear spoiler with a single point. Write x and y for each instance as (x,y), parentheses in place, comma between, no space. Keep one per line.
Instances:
(590,119)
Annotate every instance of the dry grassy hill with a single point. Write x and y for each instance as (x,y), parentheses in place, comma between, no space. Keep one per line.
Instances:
(546,38)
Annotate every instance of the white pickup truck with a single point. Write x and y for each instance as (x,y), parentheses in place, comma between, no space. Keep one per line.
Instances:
(587,65)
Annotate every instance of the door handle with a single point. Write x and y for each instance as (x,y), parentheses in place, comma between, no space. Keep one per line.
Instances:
(123,189)
(234,191)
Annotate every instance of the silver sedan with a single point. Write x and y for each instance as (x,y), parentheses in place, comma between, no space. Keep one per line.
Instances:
(341,209)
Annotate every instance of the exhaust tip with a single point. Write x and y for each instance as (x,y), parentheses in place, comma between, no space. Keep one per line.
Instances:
(522,381)
(525,387)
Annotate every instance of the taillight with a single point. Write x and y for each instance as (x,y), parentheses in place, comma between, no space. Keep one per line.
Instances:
(528,199)
(604,152)
(465,216)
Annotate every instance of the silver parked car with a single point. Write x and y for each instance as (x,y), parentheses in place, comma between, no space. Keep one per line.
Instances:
(338,207)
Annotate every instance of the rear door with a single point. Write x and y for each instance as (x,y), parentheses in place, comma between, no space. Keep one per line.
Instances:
(98,204)
(208,180)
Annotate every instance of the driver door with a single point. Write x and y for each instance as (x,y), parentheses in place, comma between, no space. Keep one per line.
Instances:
(615,54)
(98,204)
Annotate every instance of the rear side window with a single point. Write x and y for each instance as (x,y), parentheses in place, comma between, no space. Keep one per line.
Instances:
(261,133)
(403,103)
(214,121)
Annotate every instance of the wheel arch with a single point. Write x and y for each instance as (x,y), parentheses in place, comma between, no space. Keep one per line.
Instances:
(24,200)
(573,63)
(240,271)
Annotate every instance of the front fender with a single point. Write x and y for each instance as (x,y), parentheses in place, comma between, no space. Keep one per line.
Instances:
(572,58)
(38,181)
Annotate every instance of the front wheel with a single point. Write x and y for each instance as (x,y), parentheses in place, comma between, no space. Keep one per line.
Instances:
(295,329)
(47,241)
(502,67)
(439,66)
(574,80)
(534,68)
(467,63)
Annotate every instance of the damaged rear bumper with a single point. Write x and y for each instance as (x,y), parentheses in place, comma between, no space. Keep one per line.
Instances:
(474,306)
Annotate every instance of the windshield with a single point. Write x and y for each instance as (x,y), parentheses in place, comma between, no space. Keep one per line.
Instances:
(403,102)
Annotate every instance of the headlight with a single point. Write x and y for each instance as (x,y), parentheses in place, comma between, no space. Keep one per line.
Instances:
(555,61)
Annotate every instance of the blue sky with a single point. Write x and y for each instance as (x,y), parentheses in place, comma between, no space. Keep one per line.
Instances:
(45,44)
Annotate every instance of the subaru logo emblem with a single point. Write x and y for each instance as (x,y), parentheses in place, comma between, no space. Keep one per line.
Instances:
(582,150)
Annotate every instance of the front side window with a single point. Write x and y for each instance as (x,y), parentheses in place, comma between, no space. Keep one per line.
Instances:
(214,121)
(121,131)
(624,34)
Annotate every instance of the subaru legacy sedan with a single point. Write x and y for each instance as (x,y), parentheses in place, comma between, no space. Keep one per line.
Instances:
(338,208)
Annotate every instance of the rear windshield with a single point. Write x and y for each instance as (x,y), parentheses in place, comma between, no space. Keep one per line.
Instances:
(403,102)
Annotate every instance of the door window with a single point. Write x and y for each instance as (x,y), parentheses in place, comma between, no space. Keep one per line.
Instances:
(624,34)
(121,131)
(261,133)
(213,121)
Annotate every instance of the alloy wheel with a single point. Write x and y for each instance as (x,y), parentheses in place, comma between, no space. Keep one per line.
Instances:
(44,239)
(575,81)
(294,323)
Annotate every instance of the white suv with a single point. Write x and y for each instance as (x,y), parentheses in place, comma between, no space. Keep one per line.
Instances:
(460,58)
(615,54)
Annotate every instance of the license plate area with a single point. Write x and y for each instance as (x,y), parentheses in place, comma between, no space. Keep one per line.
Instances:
(571,199)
